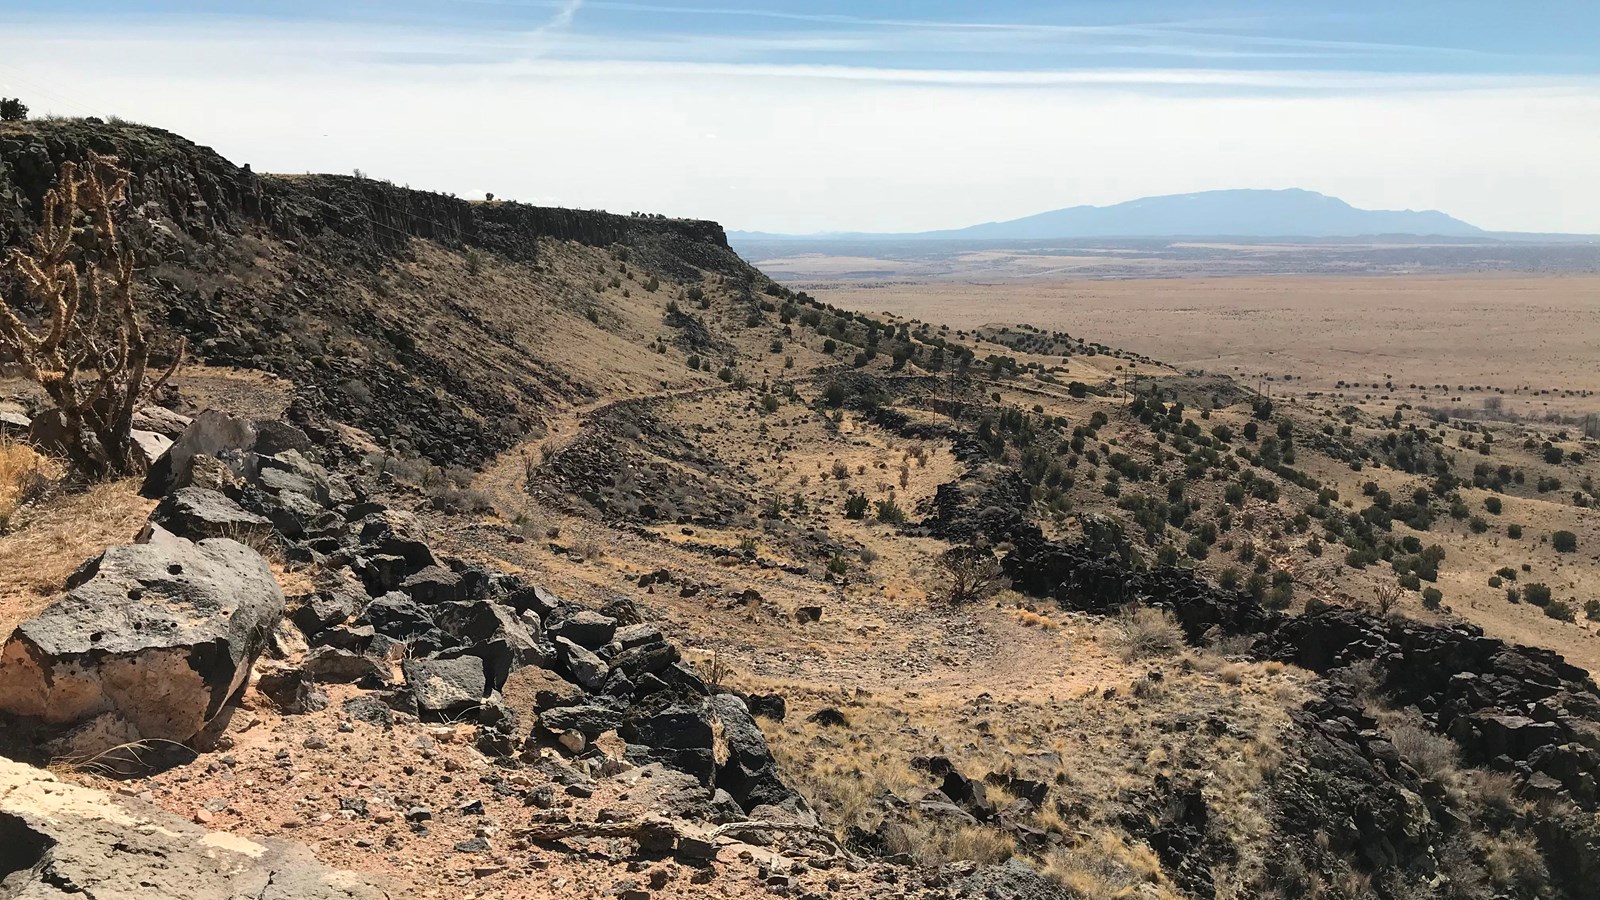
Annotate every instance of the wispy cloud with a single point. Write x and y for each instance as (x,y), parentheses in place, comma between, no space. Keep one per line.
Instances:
(836,124)
(1235,30)
(565,13)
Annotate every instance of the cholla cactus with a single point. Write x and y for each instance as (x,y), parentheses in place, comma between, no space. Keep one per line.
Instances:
(92,353)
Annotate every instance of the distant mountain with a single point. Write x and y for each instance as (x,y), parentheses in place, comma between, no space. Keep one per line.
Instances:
(1237,213)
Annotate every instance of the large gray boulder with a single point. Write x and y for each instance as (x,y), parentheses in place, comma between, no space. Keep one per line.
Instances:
(149,643)
(212,433)
(198,513)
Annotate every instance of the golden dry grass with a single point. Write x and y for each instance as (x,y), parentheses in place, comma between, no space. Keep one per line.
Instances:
(23,475)
(56,537)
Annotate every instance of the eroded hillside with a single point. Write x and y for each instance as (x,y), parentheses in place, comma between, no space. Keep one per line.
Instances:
(607,530)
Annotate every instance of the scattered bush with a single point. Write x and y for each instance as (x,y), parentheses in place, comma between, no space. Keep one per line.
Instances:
(1564,541)
(1144,632)
(890,512)
(970,573)
(855,506)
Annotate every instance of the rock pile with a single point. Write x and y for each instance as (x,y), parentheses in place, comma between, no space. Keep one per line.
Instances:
(154,638)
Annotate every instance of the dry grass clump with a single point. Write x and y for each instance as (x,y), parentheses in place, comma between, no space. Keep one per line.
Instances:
(1106,865)
(1513,861)
(1432,755)
(24,476)
(56,538)
(1143,632)
(1034,620)
(934,844)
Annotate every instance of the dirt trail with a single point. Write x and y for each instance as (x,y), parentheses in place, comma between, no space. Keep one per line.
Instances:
(505,478)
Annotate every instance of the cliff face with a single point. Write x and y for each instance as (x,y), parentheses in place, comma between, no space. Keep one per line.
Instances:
(441,326)
(202,192)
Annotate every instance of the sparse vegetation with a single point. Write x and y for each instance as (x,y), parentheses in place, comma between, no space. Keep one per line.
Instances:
(1143,632)
(93,357)
(969,574)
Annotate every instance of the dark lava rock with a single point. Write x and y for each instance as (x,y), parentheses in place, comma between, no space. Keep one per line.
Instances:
(197,513)
(150,642)
(445,688)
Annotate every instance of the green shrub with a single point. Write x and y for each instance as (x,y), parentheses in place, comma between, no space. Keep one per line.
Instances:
(855,506)
(1281,596)
(1561,609)
(1564,541)
(1536,593)
(1492,504)
(1256,586)
(1432,598)
(890,511)
(1514,532)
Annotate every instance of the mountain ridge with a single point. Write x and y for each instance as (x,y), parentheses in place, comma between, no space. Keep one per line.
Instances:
(1241,212)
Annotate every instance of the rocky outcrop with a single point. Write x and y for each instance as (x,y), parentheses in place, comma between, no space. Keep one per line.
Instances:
(332,239)
(60,840)
(1515,708)
(150,642)
(198,513)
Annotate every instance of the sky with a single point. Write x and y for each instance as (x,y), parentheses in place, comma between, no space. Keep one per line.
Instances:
(869,115)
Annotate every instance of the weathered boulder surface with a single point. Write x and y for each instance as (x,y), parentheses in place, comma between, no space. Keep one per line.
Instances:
(149,642)
(161,420)
(198,513)
(445,688)
(59,840)
(212,433)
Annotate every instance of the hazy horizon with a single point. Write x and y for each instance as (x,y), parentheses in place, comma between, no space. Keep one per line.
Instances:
(850,117)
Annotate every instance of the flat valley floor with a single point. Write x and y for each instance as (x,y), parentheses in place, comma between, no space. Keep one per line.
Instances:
(1490,331)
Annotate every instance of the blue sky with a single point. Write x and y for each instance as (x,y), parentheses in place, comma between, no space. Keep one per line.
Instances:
(860,115)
